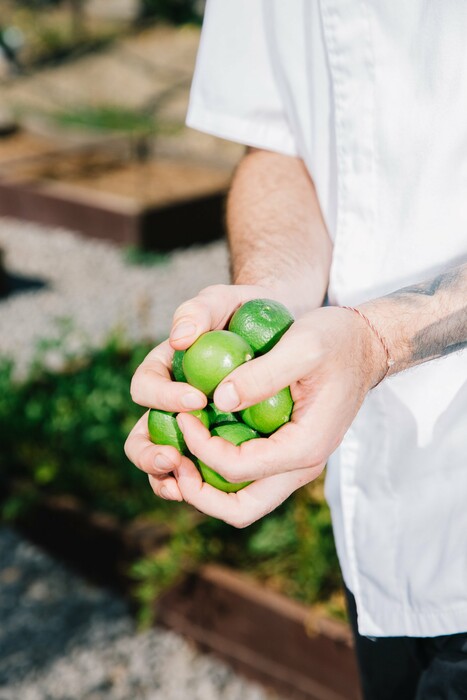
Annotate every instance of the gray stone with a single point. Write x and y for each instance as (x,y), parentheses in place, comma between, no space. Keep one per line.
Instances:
(73,641)
(91,283)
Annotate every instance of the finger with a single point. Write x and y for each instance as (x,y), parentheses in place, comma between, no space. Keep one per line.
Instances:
(165,487)
(254,381)
(152,384)
(210,310)
(290,448)
(150,458)
(247,505)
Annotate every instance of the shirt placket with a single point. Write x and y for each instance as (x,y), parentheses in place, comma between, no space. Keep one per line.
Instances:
(346,25)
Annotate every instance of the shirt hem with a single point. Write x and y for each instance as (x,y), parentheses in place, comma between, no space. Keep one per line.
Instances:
(242,131)
(414,624)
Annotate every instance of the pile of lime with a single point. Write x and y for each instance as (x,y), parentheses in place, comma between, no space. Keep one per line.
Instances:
(252,331)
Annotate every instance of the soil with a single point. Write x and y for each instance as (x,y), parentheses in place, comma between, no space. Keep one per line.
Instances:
(20,146)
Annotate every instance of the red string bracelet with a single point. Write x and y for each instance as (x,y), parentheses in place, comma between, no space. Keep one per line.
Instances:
(389,360)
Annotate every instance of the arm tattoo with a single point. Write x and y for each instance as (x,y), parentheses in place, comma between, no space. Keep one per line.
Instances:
(441,338)
(445,281)
(433,315)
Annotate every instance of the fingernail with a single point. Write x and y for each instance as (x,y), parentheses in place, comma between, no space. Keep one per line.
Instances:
(192,400)
(165,492)
(183,330)
(162,462)
(226,397)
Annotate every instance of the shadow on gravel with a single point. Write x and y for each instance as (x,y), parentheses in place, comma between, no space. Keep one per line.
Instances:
(47,613)
(17,284)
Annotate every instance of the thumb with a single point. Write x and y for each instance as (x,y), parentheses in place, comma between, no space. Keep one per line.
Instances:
(205,312)
(208,311)
(264,376)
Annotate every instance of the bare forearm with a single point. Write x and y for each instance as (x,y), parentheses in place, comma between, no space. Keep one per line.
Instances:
(276,233)
(424,321)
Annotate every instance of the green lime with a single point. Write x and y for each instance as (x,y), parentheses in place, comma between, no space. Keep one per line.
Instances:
(212,357)
(203,416)
(177,366)
(262,323)
(268,415)
(217,417)
(163,430)
(236,433)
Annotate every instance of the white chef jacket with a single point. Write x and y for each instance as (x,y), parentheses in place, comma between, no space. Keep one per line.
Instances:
(372,95)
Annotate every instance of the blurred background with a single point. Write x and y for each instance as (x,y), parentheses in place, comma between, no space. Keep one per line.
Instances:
(110,217)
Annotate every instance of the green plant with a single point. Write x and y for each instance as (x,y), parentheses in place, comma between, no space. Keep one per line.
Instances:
(181,554)
(175,11)
(107,118)
(63,432)
(294,549)
(133,255)
(291,550)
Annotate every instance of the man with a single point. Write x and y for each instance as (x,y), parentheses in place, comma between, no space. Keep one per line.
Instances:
(354,186)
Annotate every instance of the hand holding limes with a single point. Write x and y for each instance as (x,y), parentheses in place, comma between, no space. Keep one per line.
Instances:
(209,360)
(152,382)
(327,357)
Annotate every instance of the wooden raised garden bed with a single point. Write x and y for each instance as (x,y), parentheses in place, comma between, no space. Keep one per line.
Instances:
(276,641)
(104,192)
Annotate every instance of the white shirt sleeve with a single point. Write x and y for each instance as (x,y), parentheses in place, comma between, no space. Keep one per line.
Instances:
(234,94)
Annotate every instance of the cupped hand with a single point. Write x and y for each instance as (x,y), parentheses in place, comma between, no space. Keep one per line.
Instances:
(247,505)
(152,385)
(330,359)
(211,310)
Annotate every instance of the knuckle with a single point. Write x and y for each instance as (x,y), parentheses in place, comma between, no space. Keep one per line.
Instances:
(318,454)
(262,465)
(269,375)
(152,483)
(230,474)
(134,389)
(144,380)
(146,459)
(136,385)
(243,524)
(188,308)
(156,487)
(240,522)
(214,289)
(188,499)
(256,382)
(127,447)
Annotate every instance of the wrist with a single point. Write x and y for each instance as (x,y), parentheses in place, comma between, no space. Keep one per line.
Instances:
(375,351)
(384,317)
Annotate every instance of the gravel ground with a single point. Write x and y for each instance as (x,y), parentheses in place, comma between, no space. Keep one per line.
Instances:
(63,639)
(90,282)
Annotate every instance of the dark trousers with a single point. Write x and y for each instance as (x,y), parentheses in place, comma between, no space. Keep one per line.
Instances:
(410,668)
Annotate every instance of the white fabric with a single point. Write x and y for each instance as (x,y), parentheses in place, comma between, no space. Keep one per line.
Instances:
(372,94)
